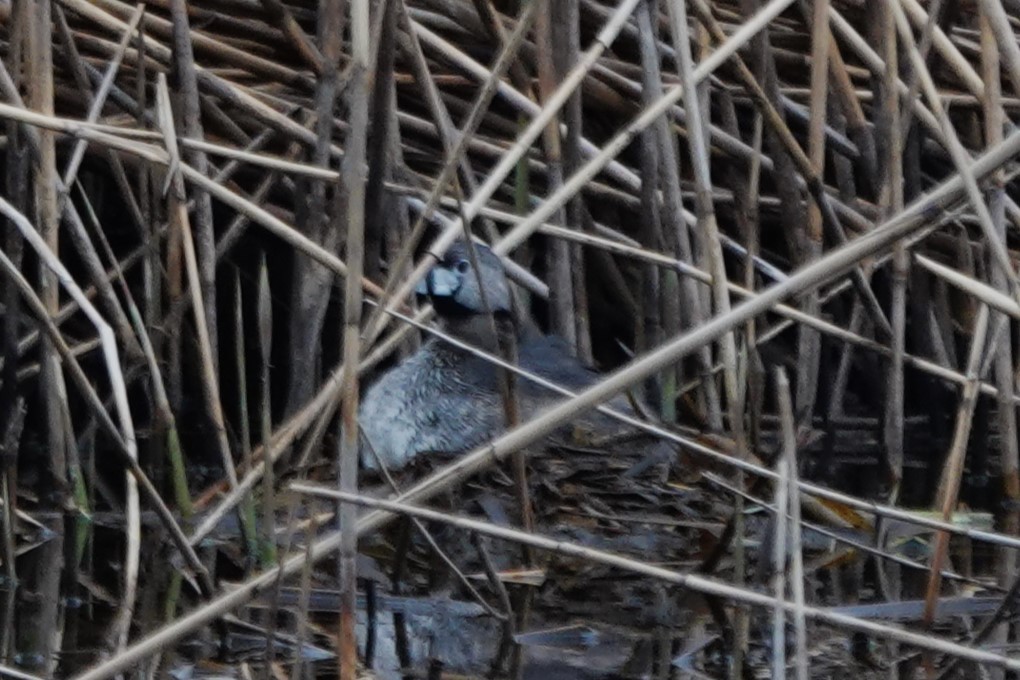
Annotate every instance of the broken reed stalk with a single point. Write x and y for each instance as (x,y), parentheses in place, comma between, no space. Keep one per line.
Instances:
(797,578)
(998,22)
(311,285)
(35,141)
(77,232)
(780,546)
(648,330)
(522,102)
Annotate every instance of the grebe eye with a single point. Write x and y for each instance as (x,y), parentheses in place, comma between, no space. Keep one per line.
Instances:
(463,266)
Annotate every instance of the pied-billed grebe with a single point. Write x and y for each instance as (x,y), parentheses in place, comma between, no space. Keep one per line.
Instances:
(445,399)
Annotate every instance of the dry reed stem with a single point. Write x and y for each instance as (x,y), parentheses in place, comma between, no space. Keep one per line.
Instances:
(181,221)
(682,246)
(123,440)
(998,23)
(953,472)
(891,198)
(780,547)
(354,175)
(988,295)
(809,342)
(16,674)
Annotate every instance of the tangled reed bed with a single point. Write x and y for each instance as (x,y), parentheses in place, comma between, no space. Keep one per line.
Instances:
(189,187)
